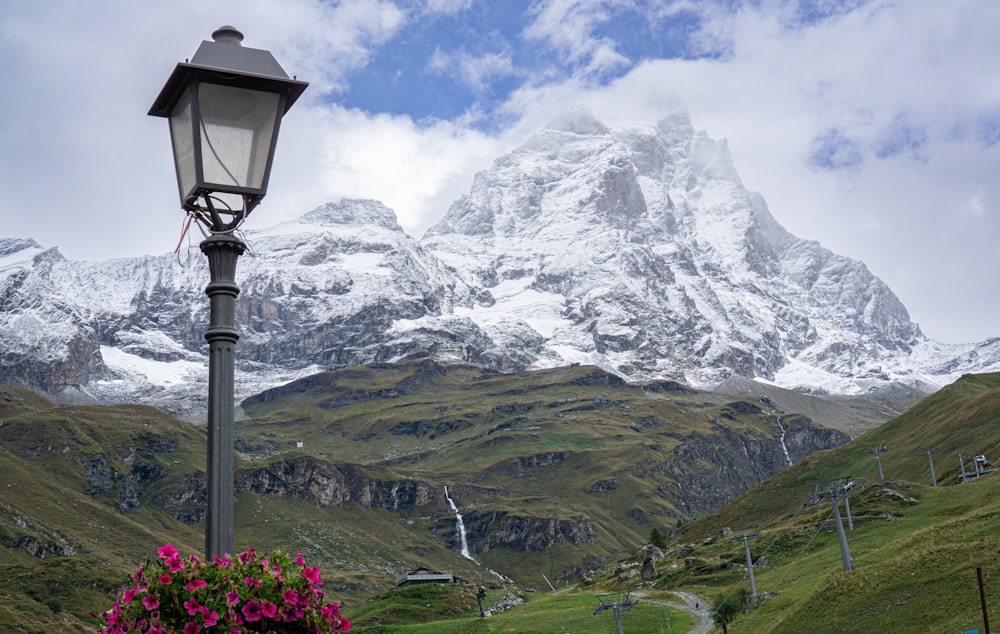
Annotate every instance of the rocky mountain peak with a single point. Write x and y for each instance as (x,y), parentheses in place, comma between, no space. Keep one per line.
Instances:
(11,246)
(350,211)
(579,121)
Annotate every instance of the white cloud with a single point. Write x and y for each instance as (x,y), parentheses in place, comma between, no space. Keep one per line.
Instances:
(568,27)
(447,7)
(417,171)
(471,70)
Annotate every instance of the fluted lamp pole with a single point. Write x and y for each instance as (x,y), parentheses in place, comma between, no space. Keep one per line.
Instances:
(225,107)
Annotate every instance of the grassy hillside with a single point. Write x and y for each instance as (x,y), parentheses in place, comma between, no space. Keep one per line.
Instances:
(559,473)
(915,547)
(556,472)
(556,445)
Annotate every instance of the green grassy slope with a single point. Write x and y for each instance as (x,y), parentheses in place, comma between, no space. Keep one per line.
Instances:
(80,485)
(915,547)
(542,439)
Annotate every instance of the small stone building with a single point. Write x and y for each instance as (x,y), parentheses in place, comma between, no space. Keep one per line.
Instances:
(424,575)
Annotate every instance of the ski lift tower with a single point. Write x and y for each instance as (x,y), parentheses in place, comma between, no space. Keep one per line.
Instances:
(617,602)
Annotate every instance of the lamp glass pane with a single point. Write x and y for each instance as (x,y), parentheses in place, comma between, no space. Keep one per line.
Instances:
(237,125)
(181,135)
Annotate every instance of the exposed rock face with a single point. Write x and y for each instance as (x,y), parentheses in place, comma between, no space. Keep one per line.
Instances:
(38,541)
(486,531)
(187,500)
(128,484)
(305,478)
(709,472)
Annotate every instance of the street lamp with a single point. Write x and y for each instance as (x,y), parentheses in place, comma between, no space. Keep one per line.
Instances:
(225,107)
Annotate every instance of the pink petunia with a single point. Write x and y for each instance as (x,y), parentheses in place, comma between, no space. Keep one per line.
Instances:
(192,606)
(175,564)
(232,598)
(166,579)
(151,602)
(210,617)
(167,551)
(192,628)
(251,611)
(268,609)
(196,584)
(311,575)
(128,595)
(251,582)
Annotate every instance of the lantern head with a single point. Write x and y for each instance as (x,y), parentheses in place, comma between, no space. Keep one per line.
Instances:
(225,107)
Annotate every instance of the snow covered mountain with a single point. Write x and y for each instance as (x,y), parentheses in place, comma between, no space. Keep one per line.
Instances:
(635,248)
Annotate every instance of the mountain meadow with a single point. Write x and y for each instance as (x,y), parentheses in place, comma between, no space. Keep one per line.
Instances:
(562,478)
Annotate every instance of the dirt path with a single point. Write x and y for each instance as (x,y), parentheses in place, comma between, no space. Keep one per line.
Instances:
(693,604)
(701,611)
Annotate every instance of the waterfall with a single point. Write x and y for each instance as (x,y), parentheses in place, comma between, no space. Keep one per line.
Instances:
(784,447)
(461,526)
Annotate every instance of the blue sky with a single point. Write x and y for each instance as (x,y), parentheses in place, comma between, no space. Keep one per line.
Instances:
(451,60)
(872,126)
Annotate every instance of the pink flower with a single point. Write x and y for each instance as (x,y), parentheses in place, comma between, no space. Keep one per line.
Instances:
(210,617)
(192,628)
(196,584)
(192,606)
(166,580)
(151,602)
(174,564)
(251,582)
(268,609)
(311,574)
(299,561)
(251,611)
(128,595)
(232,598)
(248,555)
(167,551)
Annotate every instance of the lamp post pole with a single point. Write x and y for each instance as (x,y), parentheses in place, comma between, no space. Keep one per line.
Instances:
(222,250)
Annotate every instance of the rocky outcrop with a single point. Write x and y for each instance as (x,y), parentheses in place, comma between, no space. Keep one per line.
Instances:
(486,531)
(32,536)
(127,482)
(707,472)
(305,478)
